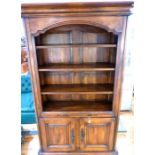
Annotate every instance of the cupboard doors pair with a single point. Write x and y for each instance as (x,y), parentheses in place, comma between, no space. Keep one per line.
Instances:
(69,134)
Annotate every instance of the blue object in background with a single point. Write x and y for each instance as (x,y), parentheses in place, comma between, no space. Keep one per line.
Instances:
(27,101)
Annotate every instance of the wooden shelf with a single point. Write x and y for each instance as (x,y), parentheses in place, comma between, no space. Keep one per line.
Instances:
(75,45)
(78,67)
(77,89)
(77,106)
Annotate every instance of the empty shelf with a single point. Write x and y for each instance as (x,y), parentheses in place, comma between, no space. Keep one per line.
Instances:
(75,45)
(78,67)
(77,106)
(77,89)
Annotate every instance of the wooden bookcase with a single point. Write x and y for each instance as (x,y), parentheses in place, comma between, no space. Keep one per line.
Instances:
(76,62)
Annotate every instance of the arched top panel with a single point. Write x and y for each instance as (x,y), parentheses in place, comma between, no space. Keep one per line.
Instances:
(96,26)
(41,25)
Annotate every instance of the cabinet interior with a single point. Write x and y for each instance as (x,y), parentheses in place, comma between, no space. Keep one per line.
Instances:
(76,65)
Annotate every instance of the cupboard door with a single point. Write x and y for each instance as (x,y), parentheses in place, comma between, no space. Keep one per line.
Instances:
(58,134)
(96,134)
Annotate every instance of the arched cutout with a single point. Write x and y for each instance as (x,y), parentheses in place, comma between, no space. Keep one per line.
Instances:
(108,28)
(68,32)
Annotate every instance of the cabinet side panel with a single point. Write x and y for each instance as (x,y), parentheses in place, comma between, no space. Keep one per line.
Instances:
(119,74)
(34,73)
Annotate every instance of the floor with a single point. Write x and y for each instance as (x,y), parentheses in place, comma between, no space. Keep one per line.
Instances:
(125,140)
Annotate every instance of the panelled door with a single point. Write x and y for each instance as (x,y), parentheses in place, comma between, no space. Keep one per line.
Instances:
(96,134)
(63,134)
(58,134)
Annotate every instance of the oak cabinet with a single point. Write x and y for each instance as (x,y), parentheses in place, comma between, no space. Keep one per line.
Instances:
(76,53)
(71,134)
